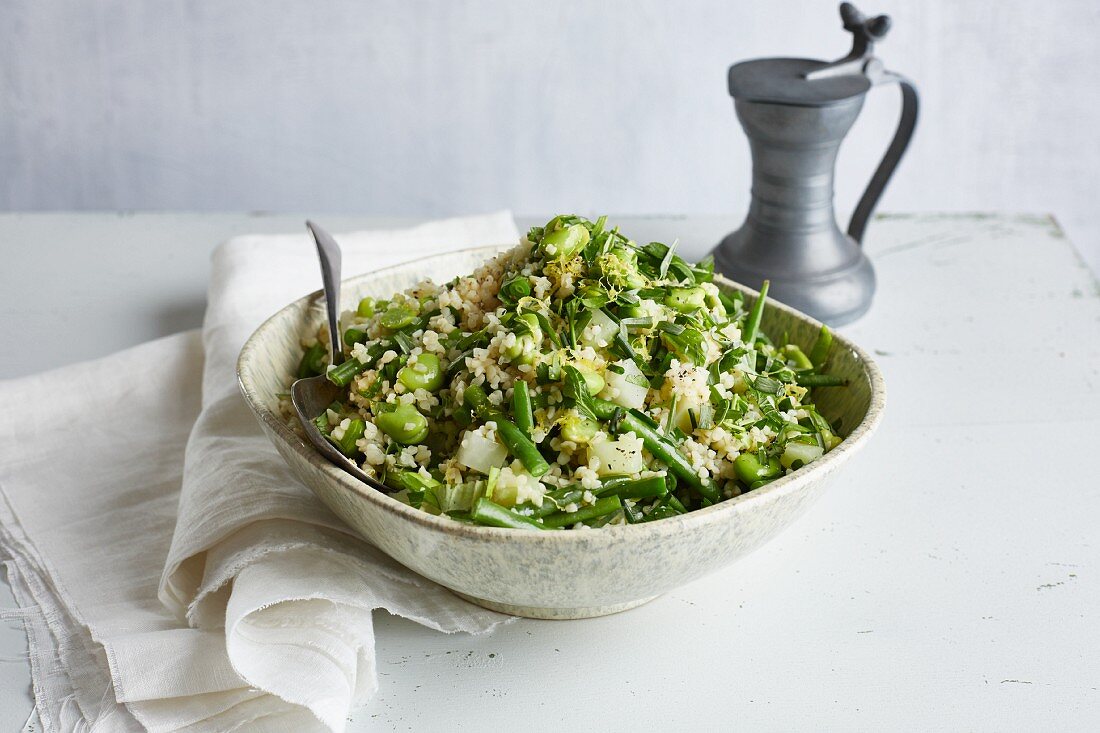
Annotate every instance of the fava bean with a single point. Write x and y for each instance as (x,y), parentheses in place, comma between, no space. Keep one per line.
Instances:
(686,300)
(425,373)
(593,382)
(750,468)
(528,339)
(397,317)
(404,424)
(562,244)
(366,308)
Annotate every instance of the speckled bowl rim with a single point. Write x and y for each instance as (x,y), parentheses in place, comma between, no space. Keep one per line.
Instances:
(790,483)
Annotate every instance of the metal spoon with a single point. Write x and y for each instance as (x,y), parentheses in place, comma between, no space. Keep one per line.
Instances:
(313,395)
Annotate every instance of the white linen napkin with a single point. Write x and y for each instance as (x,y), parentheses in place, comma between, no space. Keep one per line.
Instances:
(100,460)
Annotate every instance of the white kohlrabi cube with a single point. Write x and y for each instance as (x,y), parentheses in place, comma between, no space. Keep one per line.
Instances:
(480,453)
(681,414)
(800,452)
(628,389)
(618,456)
(600,330)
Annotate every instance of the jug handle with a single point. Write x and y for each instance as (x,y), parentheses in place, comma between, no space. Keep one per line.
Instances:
(908,122)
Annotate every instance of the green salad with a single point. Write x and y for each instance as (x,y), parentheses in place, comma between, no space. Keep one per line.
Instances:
(578,380)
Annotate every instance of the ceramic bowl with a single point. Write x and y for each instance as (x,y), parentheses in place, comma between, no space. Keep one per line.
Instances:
(572,574)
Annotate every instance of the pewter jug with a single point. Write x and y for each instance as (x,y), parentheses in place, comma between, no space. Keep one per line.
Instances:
(796,113)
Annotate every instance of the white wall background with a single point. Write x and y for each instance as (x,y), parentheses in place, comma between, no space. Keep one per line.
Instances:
(427,108)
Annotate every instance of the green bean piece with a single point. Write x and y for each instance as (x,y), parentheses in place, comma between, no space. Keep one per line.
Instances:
(426,373)
(494,515)
(633,516)
(404,424)
(514,439)
(355,334)
(553,501)
(677,504)
(603,409)
(668,454)
(354,432)
(752,323)
(342,374)
(662,512)
(603,521)
(312,363)
(462,416)
(795,354)
(514,289)
(622,486)
(820,380)
(819,353)
(410,481)
(751,468)
(365,308)
(521,408)
(602,506)
(626,488)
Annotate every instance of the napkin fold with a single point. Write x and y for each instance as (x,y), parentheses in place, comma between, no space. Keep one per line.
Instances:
(170,571)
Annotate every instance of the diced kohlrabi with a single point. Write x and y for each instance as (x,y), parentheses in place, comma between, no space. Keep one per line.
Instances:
(460,497)
(628,389)
(681,415)
(480,453)
(618,456)
(804,452)
(600,330)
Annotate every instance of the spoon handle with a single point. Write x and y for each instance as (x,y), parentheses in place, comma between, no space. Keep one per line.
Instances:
(329,254)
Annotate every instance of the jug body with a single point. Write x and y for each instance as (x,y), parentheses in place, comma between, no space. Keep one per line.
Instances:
(790,235)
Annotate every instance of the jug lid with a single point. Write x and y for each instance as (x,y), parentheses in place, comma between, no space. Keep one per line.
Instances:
(813,83)
(783,81)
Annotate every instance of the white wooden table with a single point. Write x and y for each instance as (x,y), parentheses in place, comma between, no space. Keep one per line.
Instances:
(950,579)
